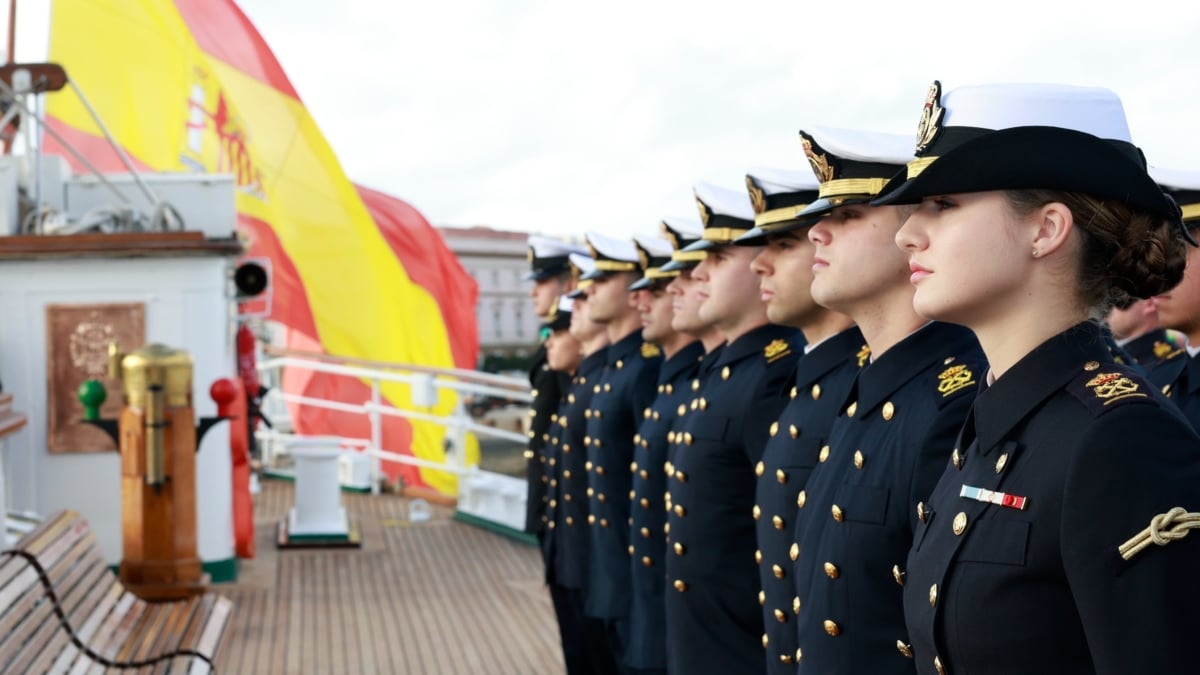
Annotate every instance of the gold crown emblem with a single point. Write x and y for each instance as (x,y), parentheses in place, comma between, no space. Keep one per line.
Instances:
(776,349)
(931,117)
(643,257)
(819,161)
(531,255)
(703,211)
(671,236)
(757,198)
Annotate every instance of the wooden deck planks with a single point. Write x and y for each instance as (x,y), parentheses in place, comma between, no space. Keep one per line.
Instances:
(433,598)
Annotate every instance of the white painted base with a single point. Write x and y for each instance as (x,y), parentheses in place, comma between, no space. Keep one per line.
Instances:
(495,497)
(329,525)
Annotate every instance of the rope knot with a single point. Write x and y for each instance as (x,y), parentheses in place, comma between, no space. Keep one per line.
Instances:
(1164,528)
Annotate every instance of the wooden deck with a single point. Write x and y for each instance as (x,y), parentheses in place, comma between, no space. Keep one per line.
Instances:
(439,597)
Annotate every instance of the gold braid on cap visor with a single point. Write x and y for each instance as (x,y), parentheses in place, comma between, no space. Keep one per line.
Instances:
(787,213)
(722,234)
(845,187)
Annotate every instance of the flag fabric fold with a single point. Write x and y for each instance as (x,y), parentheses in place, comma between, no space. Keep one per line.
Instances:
(190,85)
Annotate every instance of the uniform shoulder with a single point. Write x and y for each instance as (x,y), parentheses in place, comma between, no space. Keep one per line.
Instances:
(1104,388)
(955,377)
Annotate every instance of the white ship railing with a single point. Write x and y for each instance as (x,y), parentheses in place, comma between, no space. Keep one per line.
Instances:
(427,386)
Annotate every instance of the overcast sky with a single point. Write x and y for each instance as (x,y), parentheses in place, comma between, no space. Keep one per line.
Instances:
(558,117)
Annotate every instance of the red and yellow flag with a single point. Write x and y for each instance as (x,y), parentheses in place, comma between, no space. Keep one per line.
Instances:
(190,85)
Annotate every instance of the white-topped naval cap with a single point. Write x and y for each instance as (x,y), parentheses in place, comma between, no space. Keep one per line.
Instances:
(582,262)
(657,247)
(1175,179)
(782,181)
(863,146)
(687,227)
(722,201)
(1093,110)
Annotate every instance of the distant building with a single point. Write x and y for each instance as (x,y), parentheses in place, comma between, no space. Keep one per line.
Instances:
(508,328)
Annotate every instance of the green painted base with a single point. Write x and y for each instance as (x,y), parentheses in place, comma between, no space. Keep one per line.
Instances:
(221,570)
(493,526)
(218,570)
(280,475)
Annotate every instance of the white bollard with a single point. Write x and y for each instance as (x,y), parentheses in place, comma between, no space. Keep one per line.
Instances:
(318,511)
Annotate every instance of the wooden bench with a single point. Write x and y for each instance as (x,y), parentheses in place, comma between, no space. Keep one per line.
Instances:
(105,617)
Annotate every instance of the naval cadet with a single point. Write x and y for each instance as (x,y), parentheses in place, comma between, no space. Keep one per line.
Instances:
(1054,541)
(625,389)
(647,648)
(823,376)
(1159,353)
(550,272)
(713,620)
(1179,308)
(585,646)
(896,427)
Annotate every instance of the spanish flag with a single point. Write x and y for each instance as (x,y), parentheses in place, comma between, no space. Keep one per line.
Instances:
(190,86)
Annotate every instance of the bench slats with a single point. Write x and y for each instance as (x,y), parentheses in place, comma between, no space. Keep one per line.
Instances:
(107,618)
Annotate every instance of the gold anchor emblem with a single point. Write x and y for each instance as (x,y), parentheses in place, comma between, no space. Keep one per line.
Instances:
(1111,387)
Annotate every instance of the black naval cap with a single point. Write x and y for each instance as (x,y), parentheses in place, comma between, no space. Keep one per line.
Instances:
(653,253)
(1184,188)
(852,166)
(682,233)
(778,197)
(548,258)
(1052,137)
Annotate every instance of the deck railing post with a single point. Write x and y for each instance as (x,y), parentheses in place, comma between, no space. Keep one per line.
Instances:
(376,434)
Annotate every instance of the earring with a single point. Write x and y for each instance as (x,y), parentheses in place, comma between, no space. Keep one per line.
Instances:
(1036,253)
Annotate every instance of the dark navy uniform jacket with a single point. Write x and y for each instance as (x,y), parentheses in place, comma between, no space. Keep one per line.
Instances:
(647,646)
(1158,356)
(625,389)
(1184,389)
(714,624)
(1016,567)
(548,389)
(823,378)
(703,373)
(566,542)
(858,510)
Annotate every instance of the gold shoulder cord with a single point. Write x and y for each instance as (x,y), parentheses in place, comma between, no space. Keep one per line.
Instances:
(1164,529)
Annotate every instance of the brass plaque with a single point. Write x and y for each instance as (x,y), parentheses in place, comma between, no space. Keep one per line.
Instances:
(77,339)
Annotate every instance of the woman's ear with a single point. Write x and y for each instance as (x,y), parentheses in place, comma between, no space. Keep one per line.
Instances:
(1052,225)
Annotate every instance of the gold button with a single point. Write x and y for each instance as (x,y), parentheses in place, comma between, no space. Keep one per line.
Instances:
(956,458)
(778,522)
(588,464)
(696,385)
(933,595)
(888,411)
(758,468)
(601,498)
(551,523)
(687,438)
(591,492)
(567,474)
(756,512)
(832,628)
(670,436)
(922,514)
(765,641)
(645,502)
(670,389)
(960,523)
(620,364)
(647,561)
(631,549)
(793,431)
(778,571)
(852,409)
(645,532)
(661,389)
(604,522)
(824,454)
(897,575)
(758,556)
(607,387)
(633,465)
(786,659)
(596,442)
(781,476)
(774,430)
(937,665)
(837,513)
(679,548)
(681,476)
(1001,462)
(858,459)
(1091,365)
(588,413)
(570,520)
(591,519)
(780,616)
(680,585)
(794,552)
(802,498)
(762,598)
(528,454)
(832,570)
(679,510)
(904,649)
(816,391)
(795,604)
(681,410)
(725,373)
(798,654)
(792,394)
(703,403)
